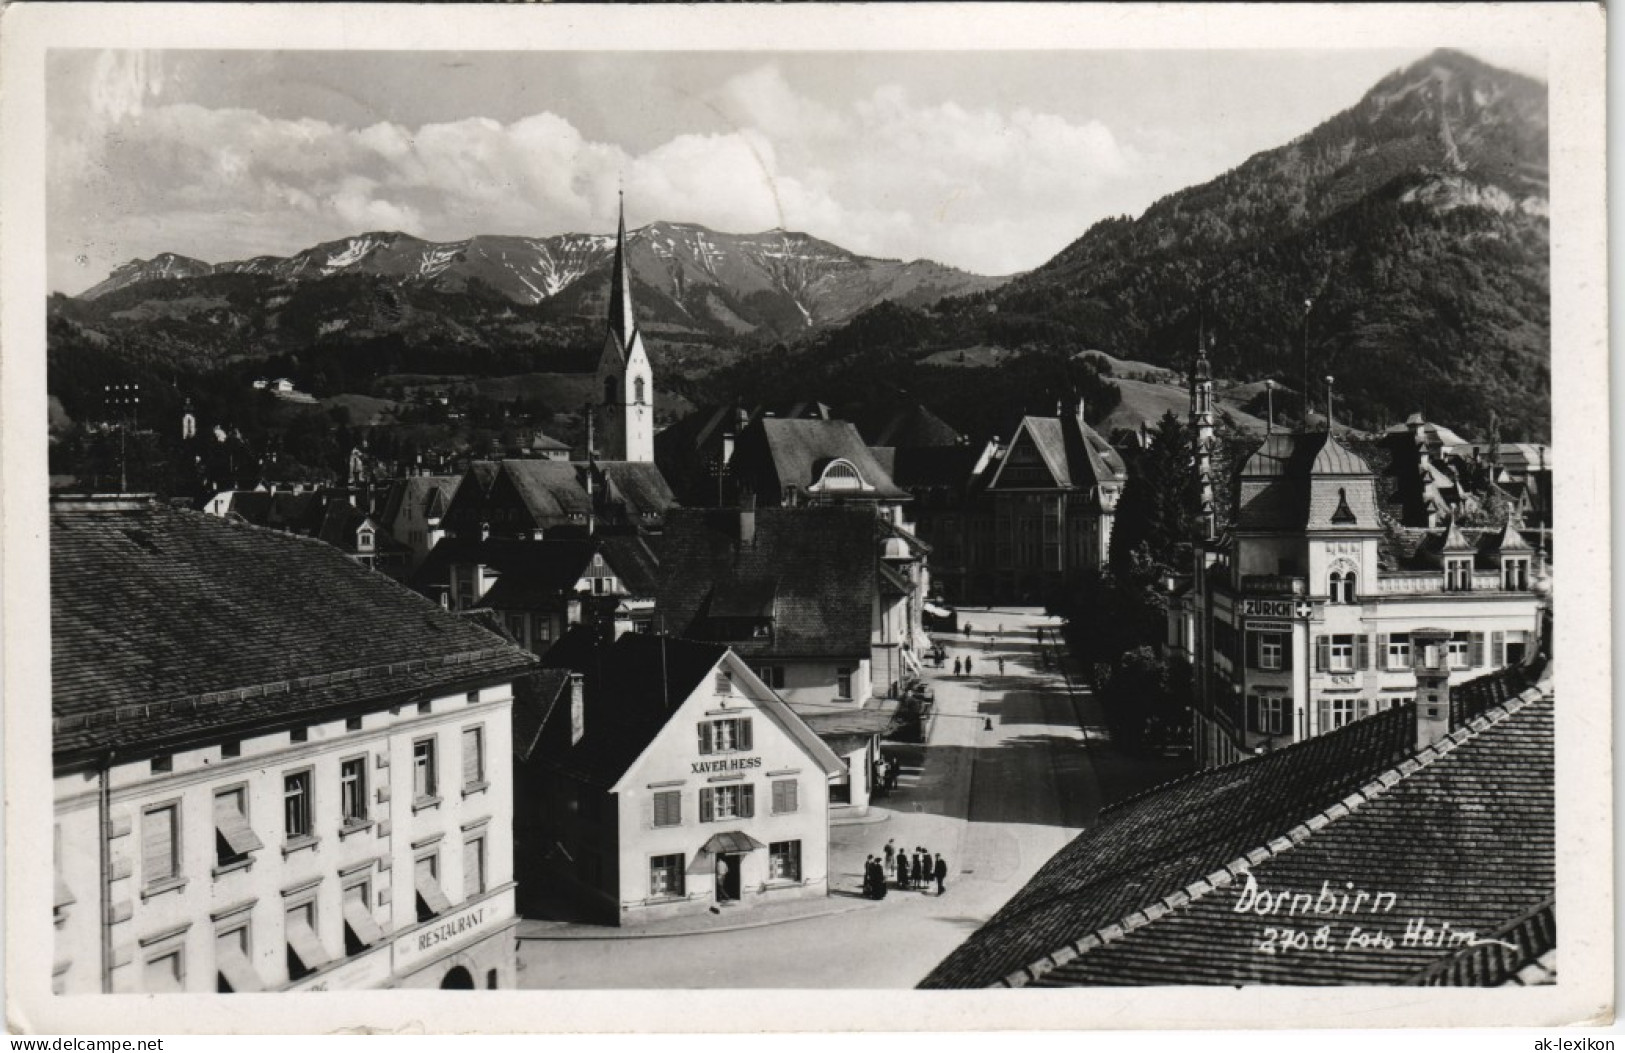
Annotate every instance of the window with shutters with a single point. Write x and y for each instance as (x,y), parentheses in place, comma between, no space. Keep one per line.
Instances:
(234,838)
(233,960)
(724,682)
(296,805)
(1515,648)
(474,758)
(668,808)
(353,791)
(665,876)
(843,682)
(727,802)
(732,735)
(361,929)
(784,861)
(1272,715)
(1270,651)
(160,845)
(474,861)
(165,972)
(784,796)
(1459,649)
(1340,656)
(305,951)
(425,777)
(1397,651)
(1341,712)
(431,899)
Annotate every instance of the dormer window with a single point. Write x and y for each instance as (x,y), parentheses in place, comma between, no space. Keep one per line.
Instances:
(1515,574)
(363,540)
(1458,574)
(841,475)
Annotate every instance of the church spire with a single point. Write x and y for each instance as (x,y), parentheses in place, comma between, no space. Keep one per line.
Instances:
(1202,432)
(621,323)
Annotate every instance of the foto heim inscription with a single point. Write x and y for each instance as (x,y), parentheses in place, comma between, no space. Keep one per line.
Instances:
(1381,923)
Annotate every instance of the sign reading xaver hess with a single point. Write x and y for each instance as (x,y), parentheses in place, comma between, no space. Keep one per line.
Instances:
(708,767)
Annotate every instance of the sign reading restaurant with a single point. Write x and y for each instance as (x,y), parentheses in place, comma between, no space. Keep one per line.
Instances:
(423,944)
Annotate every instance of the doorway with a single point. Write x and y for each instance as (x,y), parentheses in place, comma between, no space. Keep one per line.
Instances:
(728,876)
(458,979)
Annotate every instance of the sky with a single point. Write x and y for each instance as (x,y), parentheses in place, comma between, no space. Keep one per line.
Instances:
(988,161)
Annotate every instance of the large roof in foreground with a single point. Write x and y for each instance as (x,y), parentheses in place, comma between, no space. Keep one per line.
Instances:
(167,623)
(1459,834)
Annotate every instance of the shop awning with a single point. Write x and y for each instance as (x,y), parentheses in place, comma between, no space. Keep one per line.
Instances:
(238,970)
(912,662)
(731,841)
(233,826)
(361,922)
(936,612)
(430,893)
(302,938)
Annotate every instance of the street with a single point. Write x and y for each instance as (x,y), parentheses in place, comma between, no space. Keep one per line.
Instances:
(996,801)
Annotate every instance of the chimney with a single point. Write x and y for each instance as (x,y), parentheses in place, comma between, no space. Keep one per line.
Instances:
(578,709)
(747,517)
(1430,660)
(1081,408)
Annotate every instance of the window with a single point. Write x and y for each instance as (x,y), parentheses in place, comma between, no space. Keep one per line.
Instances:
(361,929)
(772,676)
(843,682)
(1342,587)
(668,808)
(353,790)
(163,765)
(1271,715)
(1515,648)
(665,876)
(637,390)
(474,757)
(233,964)
(784,861)
(234,838)
(1269,651)
(430,899)
(1342,712)
(424,780)
(725,736)
(1342,654)
(1397,652)
(1515,574)
(352,723)
(784,796)
(230,749)
(165,972)
(473,866)
(296,805)
(300,734)
(727,802)
(724,682)
(305,951)
(160,844)
(1458,574)
(1458,652)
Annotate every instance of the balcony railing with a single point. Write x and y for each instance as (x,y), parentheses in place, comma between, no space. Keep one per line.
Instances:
(1424,581)
(1274,585)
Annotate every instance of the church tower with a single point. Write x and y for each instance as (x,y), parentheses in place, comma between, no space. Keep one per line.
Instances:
(1202,429)
(624,413)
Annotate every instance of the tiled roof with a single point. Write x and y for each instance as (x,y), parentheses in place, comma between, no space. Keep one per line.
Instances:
(1463,838)
(638,487)
(821,561)
(936,466)
(1299,481)
(534,698)
(633,560)
(915,427)
(1154,845)
(415,492)
(774,454)
(550,490)
(168,623)
(1076,455)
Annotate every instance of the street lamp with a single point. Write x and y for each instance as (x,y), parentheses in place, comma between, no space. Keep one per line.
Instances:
(1328,404)
(1308,305)
(1269,396)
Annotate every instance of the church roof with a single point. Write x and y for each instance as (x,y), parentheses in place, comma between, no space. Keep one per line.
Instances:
(622,324)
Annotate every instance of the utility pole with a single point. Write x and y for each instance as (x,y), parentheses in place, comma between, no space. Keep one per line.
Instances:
(123,402)
(1328,404)
(1308,305)
(1269,399)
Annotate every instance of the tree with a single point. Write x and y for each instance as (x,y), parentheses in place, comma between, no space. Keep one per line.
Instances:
(1158,515)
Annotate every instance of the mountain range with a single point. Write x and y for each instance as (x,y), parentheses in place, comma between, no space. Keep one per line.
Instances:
(1413,226)
(690,280)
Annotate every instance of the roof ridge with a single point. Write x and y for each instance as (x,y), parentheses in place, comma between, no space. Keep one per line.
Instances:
(1225,875)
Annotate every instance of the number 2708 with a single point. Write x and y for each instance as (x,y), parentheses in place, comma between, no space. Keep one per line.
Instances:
(1283,941)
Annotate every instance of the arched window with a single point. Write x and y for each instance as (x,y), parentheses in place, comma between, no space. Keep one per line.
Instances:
(609,391)
(1341,587)
(1348,587)
(637,390)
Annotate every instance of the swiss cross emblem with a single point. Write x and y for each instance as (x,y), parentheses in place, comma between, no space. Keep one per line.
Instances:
(1305,608)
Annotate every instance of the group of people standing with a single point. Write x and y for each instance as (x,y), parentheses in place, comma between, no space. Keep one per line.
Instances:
(912,871)
(883,777)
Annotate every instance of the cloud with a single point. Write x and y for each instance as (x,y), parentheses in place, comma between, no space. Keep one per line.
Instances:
(978,187)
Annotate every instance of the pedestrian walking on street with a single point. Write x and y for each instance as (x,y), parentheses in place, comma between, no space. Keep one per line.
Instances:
(1001,665)
(967,630)
(903,871)
(967,665)
(877,879)
(956,666)
(891,853)
(922,864)
(941,873)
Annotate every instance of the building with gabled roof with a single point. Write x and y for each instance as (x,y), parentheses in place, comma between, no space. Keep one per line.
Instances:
(797,462)
(675,782)
(414,512)
(274,769)
(1380,853)
(1302,615)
